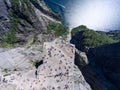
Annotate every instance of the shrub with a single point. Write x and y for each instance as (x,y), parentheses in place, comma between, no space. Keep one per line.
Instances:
(92,39)
(10,38)
(31,41)
(15,4)
(79,28)
(57,29)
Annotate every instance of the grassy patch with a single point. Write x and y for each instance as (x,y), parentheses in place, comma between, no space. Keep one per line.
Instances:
(35,38)
(92,38)
(32,41)
(57,29)
(79,28)
(10,38)
(16,3)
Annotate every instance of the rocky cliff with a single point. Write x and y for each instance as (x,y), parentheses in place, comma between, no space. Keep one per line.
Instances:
(98,63)
(24,20)
(36,55)
(32,57)
(108,58)
(56,70)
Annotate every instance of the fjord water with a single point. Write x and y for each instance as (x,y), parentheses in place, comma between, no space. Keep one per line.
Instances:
(95,14)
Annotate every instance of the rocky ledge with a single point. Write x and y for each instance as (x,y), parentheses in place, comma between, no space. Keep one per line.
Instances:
(56,71)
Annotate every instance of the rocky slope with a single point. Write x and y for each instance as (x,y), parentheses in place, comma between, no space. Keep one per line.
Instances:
(100,66)
(35,61)
(56,71)
(25,18)
(113,34)
(91,76)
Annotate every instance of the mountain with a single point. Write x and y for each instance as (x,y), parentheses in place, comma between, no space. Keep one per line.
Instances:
(115,34)
(102,51)
(85,38)
(36,54)
(34,51)
(23,20)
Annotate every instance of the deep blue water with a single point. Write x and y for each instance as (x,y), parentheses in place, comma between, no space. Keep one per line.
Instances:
(95,14)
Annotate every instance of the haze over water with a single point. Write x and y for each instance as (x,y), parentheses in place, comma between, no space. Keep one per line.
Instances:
(95,14)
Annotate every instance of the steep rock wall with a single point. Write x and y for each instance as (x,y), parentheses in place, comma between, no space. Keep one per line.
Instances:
(108,58)
(26,18)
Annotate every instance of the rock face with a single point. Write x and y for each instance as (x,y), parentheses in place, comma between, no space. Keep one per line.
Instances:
(20,58)
(79,81)
(4,20)
(108,58)
(27,18)
(56,72)
(13,58)
(91,76)
(29,66)
(77,41)
(81,58)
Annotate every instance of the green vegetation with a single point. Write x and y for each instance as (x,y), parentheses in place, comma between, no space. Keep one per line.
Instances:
(26,3)
(35,38)
(16,3)
(31,41)
(91,38)
(116,38)
(114,34)
(79,28)
(10,38)
(21,6)
(57,29)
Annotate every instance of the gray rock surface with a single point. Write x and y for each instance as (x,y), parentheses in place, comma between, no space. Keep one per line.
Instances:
(4,18)
(20,58)
(81,58)
(80,83)
(57,72)
(32,68)
(27,19)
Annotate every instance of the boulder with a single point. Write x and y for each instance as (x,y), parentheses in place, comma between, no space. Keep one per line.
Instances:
(81,58)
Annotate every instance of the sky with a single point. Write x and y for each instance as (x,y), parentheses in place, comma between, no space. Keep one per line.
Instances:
(101,15)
